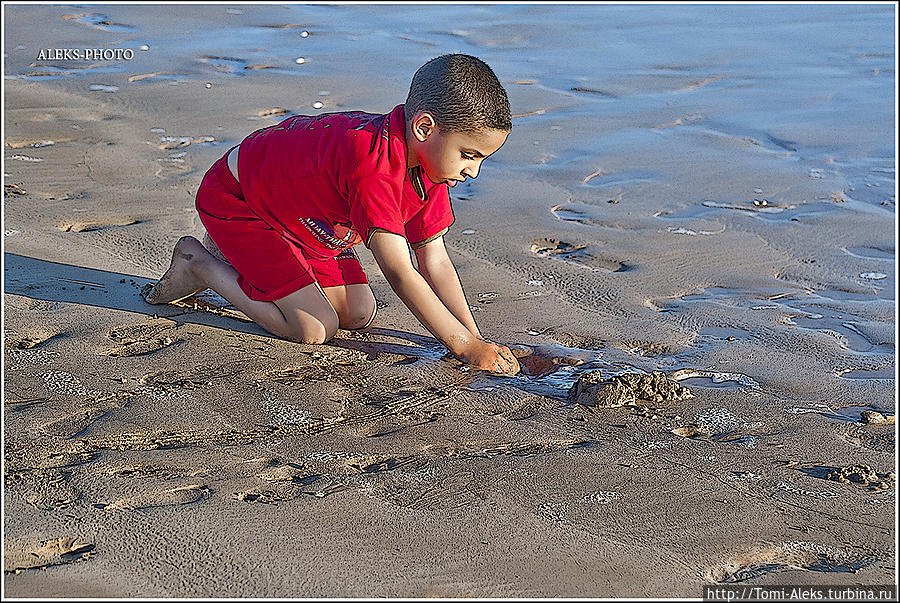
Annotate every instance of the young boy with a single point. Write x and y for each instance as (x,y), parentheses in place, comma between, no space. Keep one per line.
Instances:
(283,209)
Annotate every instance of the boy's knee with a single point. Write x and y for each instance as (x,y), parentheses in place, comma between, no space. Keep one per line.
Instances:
(315,331)
(330,331)
(360,317)
(313,336)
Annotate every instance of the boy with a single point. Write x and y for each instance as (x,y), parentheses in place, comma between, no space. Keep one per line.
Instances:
(283,209)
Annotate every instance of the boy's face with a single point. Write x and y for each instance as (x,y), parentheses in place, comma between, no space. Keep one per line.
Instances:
(453,156)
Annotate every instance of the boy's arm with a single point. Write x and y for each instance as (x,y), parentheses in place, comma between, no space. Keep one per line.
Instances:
(391,251)
(438,270)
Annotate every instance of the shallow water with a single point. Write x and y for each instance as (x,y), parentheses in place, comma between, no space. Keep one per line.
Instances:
(809,84)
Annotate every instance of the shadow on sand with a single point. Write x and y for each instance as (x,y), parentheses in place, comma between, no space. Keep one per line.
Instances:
(65,283)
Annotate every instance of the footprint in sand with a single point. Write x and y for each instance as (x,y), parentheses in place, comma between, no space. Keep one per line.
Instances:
(64,196)
(267,496)
(716,421)
(575,254)
(285,482)
(136,332)
(21,555)
(99,225)
(778,557)
(139,348)
(289,490)
(556,512)
(523,409)
(876,438)
(48,458)
(140,339)
(35,339)
(424,490)
(288,472)
(182,495)
(75,424)
(281,491)
(42,305)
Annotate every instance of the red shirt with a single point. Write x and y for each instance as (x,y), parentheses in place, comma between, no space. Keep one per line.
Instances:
(327,181)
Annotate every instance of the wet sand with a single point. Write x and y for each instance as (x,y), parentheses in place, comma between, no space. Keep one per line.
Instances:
(671,206)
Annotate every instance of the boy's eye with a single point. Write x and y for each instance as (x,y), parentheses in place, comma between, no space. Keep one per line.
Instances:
(468,156)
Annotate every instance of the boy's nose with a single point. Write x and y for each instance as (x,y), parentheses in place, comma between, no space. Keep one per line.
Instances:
(470,172)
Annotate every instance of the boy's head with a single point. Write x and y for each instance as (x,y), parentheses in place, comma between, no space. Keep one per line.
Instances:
(462,94)
(457,114)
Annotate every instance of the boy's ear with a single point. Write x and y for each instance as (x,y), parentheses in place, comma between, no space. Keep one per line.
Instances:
(423,126)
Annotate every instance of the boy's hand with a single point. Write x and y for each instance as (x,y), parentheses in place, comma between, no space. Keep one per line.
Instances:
(492,357)
(391,251)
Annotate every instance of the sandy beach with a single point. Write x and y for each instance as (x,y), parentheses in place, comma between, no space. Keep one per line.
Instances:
(705,192)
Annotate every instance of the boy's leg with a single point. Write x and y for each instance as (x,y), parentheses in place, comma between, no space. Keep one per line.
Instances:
(354,305)
(213,248)
(345,285)
(260,263)
(304,315)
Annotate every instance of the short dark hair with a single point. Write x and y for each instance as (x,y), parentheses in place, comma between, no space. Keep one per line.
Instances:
(461,92)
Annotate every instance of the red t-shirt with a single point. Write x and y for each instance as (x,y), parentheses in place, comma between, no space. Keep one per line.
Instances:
(327,181)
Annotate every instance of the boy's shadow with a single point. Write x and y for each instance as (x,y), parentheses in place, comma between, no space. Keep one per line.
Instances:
(67,284)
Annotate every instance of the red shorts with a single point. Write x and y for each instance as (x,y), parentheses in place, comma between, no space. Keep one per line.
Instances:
(269,265)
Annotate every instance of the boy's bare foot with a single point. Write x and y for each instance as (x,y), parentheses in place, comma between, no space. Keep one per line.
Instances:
(179,280)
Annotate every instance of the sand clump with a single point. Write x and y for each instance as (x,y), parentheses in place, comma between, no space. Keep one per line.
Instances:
(56,551)
(593,389)
(863,475)
(873,417)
